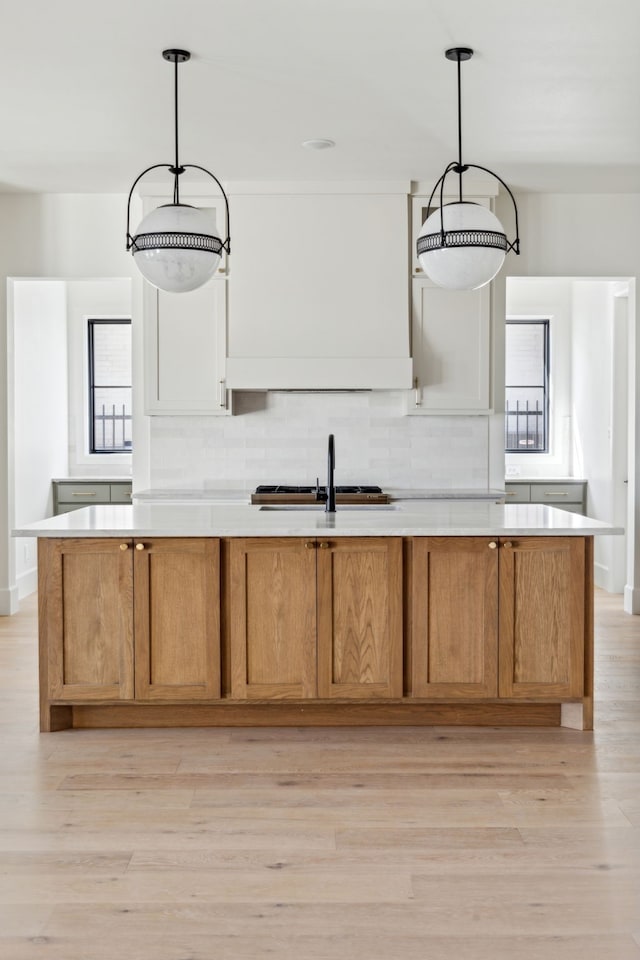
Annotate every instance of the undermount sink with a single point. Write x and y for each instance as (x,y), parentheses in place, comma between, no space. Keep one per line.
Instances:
(319,507)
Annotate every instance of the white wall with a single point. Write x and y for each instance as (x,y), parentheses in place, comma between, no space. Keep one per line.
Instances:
(540,297)
(40,436)
(592,359)
(574,235)
(61,236)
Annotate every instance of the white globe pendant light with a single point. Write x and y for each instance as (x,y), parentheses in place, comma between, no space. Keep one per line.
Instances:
(460,263)
(177,247)
(462,245)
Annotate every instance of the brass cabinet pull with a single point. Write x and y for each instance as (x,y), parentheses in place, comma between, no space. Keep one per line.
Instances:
(416,387)
(139,546)
(76,493)
(507,543)
(124,546)
(563,493)
(324,545)
(510,493)
(493,545)
(309,544)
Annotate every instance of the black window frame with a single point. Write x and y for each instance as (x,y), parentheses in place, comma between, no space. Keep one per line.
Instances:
(543,322)
(92,386)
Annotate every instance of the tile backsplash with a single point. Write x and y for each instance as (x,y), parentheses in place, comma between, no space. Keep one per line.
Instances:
(282,438)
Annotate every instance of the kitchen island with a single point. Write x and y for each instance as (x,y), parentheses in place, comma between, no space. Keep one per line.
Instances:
(412,613)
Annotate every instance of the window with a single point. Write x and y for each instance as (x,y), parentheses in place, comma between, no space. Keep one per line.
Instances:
(527,386)
(110,386)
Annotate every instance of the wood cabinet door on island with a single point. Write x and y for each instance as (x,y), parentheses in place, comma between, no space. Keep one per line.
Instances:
(177,618)
(498,618)
(315,618)
(101,599)
(272,618)
(85,619)
(542,617)
(360,617)
(454,617)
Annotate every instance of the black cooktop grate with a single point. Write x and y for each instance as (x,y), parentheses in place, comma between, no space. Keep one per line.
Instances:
(282,488)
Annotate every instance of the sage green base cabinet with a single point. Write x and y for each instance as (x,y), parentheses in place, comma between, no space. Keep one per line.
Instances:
(565,494)
(72,494)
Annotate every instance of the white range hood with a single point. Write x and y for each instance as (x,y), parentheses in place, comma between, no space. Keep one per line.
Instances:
(319,287)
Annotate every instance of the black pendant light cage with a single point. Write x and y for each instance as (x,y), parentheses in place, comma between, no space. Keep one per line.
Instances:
(465,238)
(172,240)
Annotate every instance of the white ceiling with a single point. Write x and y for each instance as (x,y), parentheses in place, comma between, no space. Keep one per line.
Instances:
(550,101)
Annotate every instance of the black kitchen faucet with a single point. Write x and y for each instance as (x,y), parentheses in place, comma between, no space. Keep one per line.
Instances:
(330,506)
(328,495)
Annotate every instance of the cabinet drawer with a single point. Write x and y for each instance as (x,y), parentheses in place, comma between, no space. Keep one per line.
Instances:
(517,492)
(84,493)
(120,493)
(557,493)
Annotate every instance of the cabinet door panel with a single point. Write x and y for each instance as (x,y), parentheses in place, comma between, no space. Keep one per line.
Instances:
(86,618)
(360,617)
(451,349)
(542,617)
(273,618)
(185,348)
(177,619)
(454,647)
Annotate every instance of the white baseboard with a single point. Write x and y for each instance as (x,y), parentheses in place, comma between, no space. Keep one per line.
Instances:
(572,716)
(632,599)
(27,583)
(9,601)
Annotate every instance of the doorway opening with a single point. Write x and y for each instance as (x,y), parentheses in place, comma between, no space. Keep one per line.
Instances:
(591,394)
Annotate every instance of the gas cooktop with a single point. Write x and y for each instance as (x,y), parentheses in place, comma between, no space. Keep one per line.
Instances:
(282,488)
(286,493)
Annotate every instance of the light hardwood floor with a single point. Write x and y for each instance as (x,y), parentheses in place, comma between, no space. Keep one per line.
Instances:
(384,844)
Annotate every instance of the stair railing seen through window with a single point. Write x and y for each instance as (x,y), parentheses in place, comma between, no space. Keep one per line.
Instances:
(527,386)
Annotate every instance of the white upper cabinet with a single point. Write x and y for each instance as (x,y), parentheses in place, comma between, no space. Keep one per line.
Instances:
(185,346)
(185,337)
(450,334)
(319,289)
(451,350)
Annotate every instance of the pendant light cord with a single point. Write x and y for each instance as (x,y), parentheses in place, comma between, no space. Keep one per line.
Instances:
(176,187)
(459,130)
(176,57)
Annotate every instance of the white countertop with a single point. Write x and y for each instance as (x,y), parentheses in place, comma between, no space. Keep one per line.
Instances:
(427,518)
(544,480)
(155,495)
(91,479)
